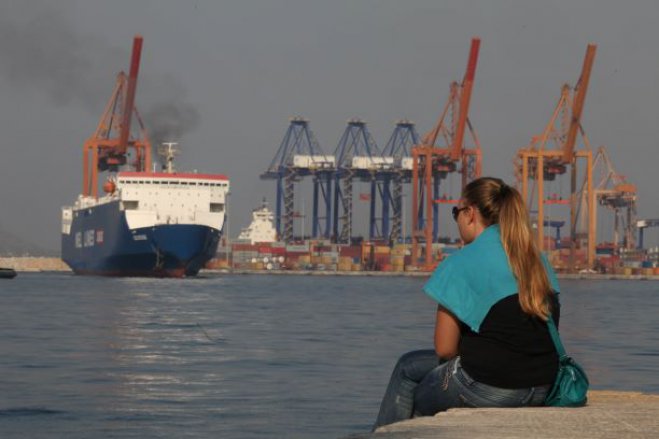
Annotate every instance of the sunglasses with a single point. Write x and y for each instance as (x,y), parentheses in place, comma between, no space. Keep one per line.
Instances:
(456,212)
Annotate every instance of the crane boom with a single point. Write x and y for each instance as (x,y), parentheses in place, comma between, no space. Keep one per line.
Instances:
(107,148)
(465,98)
(577,105)
(130,95)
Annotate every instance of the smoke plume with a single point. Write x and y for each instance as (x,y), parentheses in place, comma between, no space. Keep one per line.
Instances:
(41,51)
(169,121)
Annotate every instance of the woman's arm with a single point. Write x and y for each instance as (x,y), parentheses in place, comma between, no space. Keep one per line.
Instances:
(447,334)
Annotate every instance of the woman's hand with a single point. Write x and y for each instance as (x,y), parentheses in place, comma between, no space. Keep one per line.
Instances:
(447,334)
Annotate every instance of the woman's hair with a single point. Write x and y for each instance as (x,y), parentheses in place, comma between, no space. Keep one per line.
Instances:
(501,204)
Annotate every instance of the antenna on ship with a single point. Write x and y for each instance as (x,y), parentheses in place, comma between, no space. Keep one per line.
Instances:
(167,151)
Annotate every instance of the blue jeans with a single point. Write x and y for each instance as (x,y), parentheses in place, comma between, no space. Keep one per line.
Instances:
(422,385)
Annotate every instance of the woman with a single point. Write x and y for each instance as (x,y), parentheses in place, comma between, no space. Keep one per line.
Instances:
(492,345)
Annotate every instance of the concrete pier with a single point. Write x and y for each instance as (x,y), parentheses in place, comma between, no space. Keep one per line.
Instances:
(607,415)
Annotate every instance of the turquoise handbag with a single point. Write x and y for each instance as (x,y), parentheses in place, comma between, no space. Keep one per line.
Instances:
(571,386)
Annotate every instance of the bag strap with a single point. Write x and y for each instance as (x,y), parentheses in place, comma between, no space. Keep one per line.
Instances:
(555,337)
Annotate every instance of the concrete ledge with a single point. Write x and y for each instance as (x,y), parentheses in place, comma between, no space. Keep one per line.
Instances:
(607,415)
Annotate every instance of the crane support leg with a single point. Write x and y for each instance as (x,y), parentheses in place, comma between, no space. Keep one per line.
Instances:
(315,220)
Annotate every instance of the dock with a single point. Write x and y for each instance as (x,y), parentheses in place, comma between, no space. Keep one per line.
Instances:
(609,414)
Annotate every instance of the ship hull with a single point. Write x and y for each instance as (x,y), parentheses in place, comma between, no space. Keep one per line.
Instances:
(101,243)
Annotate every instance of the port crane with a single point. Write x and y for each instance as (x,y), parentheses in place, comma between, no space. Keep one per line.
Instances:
(108,149)
(550,154)
(615,193)
(398,147)
(358,158)
(299,155)
(431,164)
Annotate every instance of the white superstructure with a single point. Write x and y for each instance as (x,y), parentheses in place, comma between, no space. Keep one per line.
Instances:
(151,198)
(160,198)
(261,229)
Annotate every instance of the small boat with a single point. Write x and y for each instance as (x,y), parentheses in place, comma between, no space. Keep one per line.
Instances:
(7,273)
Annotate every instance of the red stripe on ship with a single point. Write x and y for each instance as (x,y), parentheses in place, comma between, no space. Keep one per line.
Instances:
(175,175)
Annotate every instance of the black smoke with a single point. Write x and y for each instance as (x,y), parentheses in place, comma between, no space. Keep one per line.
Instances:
(169,121)
(41,51)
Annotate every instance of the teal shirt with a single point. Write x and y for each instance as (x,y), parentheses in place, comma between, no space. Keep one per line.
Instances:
(476,277)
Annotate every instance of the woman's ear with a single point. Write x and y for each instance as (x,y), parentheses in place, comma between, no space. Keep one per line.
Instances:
(471,212)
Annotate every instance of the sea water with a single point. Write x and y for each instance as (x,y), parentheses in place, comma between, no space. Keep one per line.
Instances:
(256,356)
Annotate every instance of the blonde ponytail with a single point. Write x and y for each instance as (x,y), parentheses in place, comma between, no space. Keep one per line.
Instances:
(502,204)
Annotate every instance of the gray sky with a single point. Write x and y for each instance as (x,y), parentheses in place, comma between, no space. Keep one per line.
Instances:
(236,71)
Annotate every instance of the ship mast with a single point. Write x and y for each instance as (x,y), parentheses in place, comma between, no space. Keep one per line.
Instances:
(167,151)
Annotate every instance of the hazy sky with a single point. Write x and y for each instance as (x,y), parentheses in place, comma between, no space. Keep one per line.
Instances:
(236,71)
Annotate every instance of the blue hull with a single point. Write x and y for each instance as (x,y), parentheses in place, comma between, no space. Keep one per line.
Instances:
(100,243)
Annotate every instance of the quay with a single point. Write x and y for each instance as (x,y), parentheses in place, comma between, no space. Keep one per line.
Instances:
(41,264)
(607,415)
(584,276)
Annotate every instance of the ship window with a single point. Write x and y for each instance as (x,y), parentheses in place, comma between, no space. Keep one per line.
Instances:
(184,183)
(131,205)
(217,207)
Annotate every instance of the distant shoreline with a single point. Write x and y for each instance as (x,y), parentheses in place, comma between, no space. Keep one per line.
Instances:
(29,264)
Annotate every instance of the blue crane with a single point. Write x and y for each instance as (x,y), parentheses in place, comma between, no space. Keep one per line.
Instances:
(357,157)
(403,138)
(299,155)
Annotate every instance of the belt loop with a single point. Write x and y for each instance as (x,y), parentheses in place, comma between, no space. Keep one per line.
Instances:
(528,397)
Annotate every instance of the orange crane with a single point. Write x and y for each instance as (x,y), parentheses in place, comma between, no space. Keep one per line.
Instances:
(539,163)
(431,163)
(615,193)
(107,148)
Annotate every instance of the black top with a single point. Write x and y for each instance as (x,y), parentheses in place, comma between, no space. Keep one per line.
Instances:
(513,350)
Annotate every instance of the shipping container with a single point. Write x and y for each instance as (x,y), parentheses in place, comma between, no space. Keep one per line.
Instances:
(345,265)
(351,251)
(298,248)
(244,247)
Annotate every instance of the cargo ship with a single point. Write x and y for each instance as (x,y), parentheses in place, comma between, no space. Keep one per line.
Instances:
(148,223)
